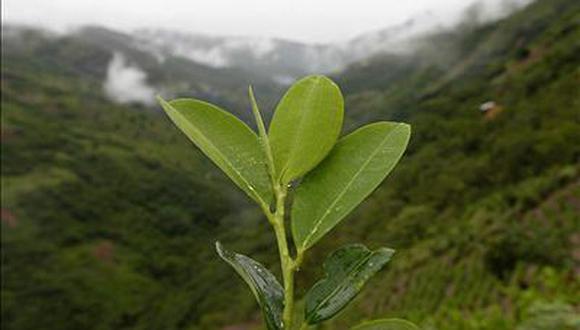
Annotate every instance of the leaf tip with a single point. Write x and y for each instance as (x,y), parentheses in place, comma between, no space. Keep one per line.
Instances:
(387,251)
(160,99)
(166,106)
(405,126)
(219,248)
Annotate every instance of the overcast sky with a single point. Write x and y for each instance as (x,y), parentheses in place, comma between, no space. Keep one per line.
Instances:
(302,20)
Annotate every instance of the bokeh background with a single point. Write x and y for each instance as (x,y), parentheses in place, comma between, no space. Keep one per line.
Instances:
(109,214)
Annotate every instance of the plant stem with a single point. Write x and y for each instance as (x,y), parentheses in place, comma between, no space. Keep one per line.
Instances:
(288,264)
(286,261)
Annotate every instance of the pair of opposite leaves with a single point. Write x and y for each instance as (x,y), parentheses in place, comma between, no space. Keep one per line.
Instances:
(347,270)
(303,134)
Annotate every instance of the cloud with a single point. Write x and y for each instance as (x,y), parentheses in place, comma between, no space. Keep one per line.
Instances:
(126,83)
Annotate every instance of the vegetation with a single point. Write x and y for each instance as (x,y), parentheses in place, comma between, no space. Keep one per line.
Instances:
(109,216)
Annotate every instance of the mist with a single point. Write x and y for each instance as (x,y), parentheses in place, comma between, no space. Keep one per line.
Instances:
(321,22)
(127,83)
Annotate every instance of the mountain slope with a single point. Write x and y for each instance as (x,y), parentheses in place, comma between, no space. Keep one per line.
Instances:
(468,206)
(106,209)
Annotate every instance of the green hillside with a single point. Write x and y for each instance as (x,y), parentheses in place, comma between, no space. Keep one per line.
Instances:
(109,215)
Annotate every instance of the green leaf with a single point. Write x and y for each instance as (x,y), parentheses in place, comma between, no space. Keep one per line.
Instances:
(386,324)
(227,141)
(305,126)
(354,168)
(347,270)
(266,289)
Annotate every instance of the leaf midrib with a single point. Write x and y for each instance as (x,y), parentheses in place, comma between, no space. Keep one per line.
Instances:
(346,187)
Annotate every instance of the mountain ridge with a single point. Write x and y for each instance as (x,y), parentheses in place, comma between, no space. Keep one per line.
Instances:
(283,60)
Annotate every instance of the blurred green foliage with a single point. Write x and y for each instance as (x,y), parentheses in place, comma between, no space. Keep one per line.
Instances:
(109,215)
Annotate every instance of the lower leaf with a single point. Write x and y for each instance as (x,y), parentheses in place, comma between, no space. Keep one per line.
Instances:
(347,270)
(268,292)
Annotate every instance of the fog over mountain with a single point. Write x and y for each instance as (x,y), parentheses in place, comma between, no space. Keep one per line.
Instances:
(285,60)
(157,60)
(321,21)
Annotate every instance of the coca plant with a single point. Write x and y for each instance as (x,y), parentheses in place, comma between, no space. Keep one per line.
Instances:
(302,155)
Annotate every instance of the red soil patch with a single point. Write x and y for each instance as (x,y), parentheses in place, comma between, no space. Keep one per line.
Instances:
(104,251)
(9,218)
